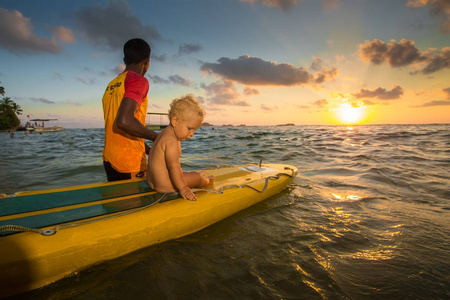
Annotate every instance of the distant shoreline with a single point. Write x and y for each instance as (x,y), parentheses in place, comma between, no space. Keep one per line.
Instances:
(280,125)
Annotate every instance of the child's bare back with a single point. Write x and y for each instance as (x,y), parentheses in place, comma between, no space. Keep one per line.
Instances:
(164,173)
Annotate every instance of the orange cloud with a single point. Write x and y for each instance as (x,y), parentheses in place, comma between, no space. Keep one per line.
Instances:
(380,93)
(64,34)
(223,93)
(321,103)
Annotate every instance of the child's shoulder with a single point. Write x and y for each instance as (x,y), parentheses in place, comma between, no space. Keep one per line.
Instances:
(166,135)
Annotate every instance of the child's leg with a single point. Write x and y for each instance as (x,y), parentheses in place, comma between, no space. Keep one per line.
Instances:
(197,180)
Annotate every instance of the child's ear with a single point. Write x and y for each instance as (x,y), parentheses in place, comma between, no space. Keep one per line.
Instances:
(174,121)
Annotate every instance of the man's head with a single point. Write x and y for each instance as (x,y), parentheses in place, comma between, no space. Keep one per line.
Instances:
(136,51)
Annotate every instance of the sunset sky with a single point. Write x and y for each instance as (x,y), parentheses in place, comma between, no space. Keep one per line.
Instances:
(253,62)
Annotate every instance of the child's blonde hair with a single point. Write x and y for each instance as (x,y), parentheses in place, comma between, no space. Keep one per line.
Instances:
(181,106)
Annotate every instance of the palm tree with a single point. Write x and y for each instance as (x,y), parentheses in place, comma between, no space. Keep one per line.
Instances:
(7,102)
(8,111)
(16,108)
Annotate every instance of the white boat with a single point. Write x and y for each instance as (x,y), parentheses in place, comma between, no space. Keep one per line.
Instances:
(40,125)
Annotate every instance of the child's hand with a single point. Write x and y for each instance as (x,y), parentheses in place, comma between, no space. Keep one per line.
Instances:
(188,194)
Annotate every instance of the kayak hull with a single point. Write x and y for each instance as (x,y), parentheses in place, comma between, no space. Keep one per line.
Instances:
(29,260)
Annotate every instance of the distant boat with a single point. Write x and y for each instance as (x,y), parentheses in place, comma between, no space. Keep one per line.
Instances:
(152,126)
(40,127)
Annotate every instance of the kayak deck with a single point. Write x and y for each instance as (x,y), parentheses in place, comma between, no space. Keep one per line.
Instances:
(39,209)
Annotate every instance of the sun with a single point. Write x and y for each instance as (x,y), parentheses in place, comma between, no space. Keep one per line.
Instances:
(350,115)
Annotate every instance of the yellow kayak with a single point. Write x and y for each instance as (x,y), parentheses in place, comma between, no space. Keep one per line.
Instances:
(48,235)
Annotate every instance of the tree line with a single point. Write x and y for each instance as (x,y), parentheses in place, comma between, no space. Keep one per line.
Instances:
(9,110)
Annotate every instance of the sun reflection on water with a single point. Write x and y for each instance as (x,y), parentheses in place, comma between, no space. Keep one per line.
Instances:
(345,198)
(382,254)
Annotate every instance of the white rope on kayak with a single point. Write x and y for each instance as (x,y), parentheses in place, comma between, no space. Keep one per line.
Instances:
(266,183)
(49,231)
(6,228)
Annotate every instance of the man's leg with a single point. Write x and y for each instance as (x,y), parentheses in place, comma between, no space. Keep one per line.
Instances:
(112,174)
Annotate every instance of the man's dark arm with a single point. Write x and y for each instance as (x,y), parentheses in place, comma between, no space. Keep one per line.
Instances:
(127,122)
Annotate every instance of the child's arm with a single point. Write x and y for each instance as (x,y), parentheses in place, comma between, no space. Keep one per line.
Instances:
(172,155)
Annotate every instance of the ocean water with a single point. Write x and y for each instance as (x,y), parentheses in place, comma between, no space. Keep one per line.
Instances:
(367,217)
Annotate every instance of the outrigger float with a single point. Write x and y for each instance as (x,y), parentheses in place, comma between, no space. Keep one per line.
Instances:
(48,235)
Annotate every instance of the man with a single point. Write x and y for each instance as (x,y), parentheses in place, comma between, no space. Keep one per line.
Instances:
(124,108)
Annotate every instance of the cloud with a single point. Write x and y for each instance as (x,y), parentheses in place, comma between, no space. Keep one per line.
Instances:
(331,4)
(189,48)
(339,95)
(177,79)
(447,92)
(160,58)
(155,105)
(57,75)
(113,25)
(316,64)
(415,25)
(437,61)
(321,103)
(42,100)
(435,103)
(396,54)
(172,79)
(255,71)
(119,69)
(439,8)
(280,4)
(368,102)
(158,80)
(267,108)
(63,34)
(250,91)
(70,102)
(17,36)
(224,93)
(380,93)
(87,81)
(286,5)
(326,74)
(404,53)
